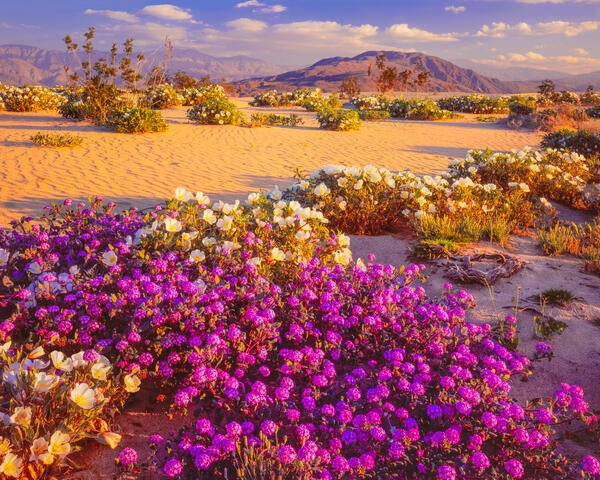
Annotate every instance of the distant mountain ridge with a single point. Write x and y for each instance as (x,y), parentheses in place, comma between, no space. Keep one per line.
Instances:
(22,64)
(329,72)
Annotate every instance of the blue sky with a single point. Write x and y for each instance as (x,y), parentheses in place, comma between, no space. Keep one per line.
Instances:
(549,34)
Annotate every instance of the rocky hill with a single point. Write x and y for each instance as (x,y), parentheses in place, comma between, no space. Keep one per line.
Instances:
(328,73)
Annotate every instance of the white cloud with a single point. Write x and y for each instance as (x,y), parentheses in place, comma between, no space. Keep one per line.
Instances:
(247,25)
(265,8)
(117,15)
(569,29)
(250,3)
(274,9)
(167,11)
(454,9)
(571,63)
(581,51)
(406,32)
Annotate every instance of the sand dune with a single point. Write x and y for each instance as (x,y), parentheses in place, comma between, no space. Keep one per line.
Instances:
(225,162)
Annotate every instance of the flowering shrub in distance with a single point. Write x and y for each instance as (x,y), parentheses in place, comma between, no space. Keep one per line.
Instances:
(50,403)
(215,111)
(197,95)
(338,119)
(474,103)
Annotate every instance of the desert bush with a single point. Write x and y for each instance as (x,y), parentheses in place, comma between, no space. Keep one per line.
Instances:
(260,119)
(374,115)
(349,87)
(319,102)
(30,99)
(338,119)
(474,103)
(379,102)
(584,142)
(580,240)
(484,119)
(136,120)
(197,95)
(215,111)
(94,84)
(51,403)
(590,97)
(524,107)
(273,98)
(569,97)
(428,110)
(56,139)
(399,107)
(593,112)
(161,96)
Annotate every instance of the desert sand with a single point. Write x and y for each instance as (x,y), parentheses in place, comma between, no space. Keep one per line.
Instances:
(225,162)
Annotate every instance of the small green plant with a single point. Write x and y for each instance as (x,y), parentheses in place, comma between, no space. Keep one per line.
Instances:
(56,139)
(556,296)
(260,119)
(429,110)
(215,111)
(547,327)
(374,115)
(523,107)
(338,119)
(136,120)
(489,119)
(560,239)
(435,248)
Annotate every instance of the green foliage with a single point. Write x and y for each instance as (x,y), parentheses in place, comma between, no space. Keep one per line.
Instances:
(202,93)
(379,102)
(29,99)
(260,119)
(523,107)
(547,93)
(338,119)
(400,107)
(547,327)
(428,110)
(556,296)
(162,96)
(215,111)
(474,103)
(584,142)
(136,120)
(374,115)
(56,139)
(490,119)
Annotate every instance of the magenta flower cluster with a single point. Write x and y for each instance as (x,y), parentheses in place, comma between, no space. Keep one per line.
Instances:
(322,371)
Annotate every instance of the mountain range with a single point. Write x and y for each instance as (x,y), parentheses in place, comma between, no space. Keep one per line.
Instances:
(21,64)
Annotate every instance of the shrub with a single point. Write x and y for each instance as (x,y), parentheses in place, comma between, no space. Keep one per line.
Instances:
(215,111)
(379,102)
(474,103)
(162,96)
(197,95)
(260,119)
(273,98)
(584,142)
(30,99)
(428,110)
(523,107)
(56,139)
(318,102)
(373,115)
(593,112)
(94,103)
(136,120)
(400,107)
(569,97)
(338,119)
